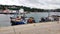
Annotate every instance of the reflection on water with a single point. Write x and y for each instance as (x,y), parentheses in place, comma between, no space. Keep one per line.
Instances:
(5,19)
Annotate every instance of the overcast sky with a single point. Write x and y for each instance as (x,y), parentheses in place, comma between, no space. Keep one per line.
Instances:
(43,4)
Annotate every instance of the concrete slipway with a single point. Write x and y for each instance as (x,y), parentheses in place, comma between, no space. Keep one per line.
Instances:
(36,28)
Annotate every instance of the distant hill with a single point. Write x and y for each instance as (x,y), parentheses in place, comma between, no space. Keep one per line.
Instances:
(13,7)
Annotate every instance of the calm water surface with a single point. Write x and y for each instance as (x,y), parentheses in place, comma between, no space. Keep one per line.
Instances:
(5,19)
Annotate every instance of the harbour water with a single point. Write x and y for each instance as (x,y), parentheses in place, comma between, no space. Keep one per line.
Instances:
(5,19)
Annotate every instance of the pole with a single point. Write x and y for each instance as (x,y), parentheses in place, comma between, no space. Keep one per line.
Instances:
(48,13)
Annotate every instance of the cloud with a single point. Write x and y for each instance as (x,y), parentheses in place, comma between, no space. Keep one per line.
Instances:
(43,4)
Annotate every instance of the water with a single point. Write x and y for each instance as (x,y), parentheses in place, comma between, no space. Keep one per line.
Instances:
(5,19)
(39,15)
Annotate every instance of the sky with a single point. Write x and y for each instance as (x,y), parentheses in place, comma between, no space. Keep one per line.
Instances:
(43,4)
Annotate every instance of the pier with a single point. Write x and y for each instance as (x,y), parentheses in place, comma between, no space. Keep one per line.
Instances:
(35,28)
